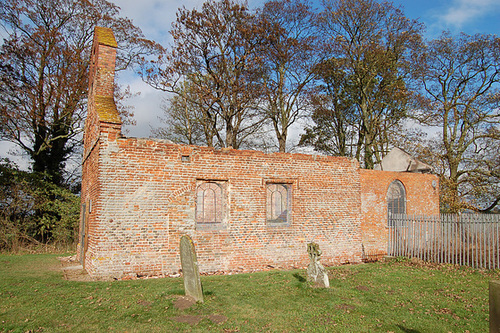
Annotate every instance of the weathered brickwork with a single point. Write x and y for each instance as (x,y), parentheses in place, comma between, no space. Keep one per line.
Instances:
(422,198)
(148,203)
(139,196)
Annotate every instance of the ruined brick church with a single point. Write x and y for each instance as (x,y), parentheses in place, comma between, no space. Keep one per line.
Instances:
(245,210)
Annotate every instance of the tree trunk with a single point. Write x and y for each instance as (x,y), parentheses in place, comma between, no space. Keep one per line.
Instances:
(282,141)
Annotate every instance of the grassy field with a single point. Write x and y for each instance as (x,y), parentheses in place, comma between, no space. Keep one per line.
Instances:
(396,296)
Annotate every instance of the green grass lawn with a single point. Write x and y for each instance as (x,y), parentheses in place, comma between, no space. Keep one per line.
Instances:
(397,296)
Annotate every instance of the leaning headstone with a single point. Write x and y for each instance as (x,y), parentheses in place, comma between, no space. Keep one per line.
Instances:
(192,283)
(316,273)
(494,306)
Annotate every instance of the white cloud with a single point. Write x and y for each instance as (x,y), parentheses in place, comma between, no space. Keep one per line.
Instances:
(146,105)
(154,17)
(462,12)
(14,154)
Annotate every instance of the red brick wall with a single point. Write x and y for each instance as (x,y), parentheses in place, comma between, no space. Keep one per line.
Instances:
(147,202)
(422,198)
(102,117)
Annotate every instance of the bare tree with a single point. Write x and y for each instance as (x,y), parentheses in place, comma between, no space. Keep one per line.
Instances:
(215,52)
(460,77)
(290,54)
(369,44)
(183,120)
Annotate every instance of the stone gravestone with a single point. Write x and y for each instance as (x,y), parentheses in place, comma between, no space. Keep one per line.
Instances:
(192,283)
(316,273)
(494,306)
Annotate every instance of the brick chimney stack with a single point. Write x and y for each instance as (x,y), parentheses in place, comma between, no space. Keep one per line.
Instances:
(102,63)
(102,76)
(102,114)
(102,126)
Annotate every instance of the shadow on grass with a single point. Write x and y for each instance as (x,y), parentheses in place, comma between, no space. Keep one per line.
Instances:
(407,330)
(299,277)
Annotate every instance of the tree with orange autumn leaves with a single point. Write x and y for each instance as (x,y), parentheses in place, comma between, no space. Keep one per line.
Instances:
(44,68)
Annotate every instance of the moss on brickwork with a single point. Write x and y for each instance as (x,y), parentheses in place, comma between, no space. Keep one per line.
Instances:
(105,36)
(106,109)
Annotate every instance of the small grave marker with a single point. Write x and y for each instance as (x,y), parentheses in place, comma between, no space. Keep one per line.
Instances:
(316,273)
(494,306)
(192,283)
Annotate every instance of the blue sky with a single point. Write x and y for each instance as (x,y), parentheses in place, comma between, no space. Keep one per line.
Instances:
(469,16)
(155,17)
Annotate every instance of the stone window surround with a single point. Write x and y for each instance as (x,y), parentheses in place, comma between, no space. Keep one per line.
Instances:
(283,187)
(220,209)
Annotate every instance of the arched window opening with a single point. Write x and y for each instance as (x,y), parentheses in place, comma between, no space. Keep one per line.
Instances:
(396,199)
(209,208)
(278,203)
